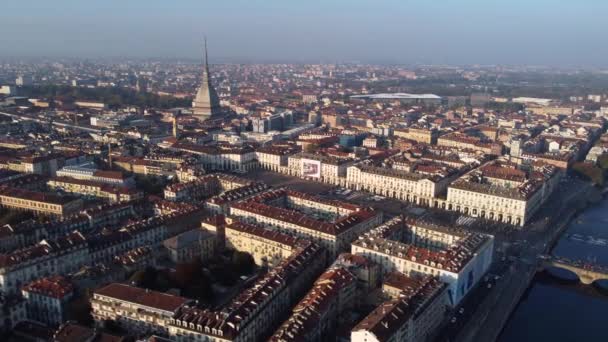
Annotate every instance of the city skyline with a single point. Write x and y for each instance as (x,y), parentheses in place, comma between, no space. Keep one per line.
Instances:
(344,171)
(455,33)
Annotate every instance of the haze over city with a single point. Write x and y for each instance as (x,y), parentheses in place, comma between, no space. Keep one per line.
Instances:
(515,32)
(303,171)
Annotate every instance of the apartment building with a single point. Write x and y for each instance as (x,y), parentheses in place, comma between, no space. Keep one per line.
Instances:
(112,193)
(89,172)
(463,141)
(210,185)
(276,157)
(332,224)
(327,168)
(190,245)
(47,298)
(423,135)
(220,204)
(404,185)
(461,264)
(251,315)
(222,157)
(62,256)
(412,317)
(322,310)
(268,247)
(39,202)
(502,192)
(137,310)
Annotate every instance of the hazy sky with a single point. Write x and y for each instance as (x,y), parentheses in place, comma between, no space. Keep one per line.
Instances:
(547,32)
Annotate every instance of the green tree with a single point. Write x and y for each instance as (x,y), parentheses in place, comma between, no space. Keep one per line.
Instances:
(242,262)
(589,172)
(188,273)
(144,278)
(602,161)
(79,309)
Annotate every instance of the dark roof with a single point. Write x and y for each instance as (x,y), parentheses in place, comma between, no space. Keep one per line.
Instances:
(152,299)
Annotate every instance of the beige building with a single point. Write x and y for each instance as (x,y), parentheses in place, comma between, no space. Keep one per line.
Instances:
(412,317)
(428,136)
(91,105)
(38,202)
(322,310)
(332,224)
(41,165)
(268,247)
(220,204)
(62,256)
(501,192)
(276,157)
(461,264)
(190,245)
(551,111)
(395,183)
(463,141)
(95,189)
(137,310)
(47,299)
(332,170)
(251,315)
(222,156)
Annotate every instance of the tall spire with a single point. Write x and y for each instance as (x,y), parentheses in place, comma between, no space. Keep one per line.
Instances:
(206,60)
(206,103)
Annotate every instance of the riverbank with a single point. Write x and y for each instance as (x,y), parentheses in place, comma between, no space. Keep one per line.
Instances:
(553,309)
(487,323)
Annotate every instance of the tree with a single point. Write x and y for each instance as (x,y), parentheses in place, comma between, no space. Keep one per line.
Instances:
(223,275)
(188,273)
(150,185)
(200,290)
(242,262)
(144,278)
(590,172)
(79,310)
(602,161)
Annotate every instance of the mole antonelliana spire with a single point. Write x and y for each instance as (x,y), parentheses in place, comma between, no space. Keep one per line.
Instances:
(206,104)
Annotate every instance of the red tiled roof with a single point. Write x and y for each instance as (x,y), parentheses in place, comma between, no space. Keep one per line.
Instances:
(152,299)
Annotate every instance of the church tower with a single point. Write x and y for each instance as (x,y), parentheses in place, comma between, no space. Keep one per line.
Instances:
(206,104)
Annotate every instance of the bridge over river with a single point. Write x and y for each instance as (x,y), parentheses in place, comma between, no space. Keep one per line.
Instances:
(586,272)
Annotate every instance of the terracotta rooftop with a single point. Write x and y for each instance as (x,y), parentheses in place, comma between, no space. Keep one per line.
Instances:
(143,297)
(56,286)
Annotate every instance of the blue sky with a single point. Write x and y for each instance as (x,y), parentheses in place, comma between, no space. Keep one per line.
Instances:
(540,32)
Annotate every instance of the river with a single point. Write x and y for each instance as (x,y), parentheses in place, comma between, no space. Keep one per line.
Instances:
(560,310)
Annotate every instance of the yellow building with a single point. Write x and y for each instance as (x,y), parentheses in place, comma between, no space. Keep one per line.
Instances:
(96,189)
(135,309)
(332,224)
(417,134)
(38,202)
(266,246)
